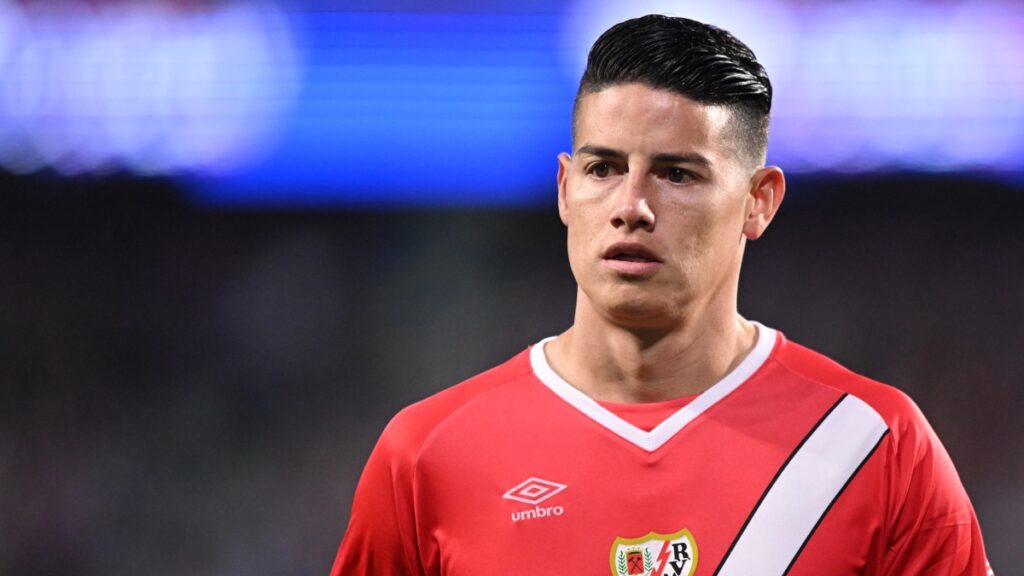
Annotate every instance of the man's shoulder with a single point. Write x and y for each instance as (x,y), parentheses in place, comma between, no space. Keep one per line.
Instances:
(895,407)
(928,517)
(414,424)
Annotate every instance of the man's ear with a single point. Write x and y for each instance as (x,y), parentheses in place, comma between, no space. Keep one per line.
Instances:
(564,162)
(767,188)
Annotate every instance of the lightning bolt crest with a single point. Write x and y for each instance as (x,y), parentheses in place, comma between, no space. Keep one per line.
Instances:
(662,558)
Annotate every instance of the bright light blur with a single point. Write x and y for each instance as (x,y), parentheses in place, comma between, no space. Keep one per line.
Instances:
(863,85)
(155,88)
(332,103)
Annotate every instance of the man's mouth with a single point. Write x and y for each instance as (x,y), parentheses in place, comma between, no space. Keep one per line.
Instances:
(631,252)
(632,259)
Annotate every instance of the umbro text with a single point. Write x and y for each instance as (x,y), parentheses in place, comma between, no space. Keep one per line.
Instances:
(537,512)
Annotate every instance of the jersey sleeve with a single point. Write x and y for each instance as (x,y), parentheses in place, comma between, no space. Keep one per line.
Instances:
(933,527)
(380,538)
(384,534)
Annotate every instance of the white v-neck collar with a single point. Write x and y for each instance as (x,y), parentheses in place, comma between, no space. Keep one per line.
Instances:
(651,441)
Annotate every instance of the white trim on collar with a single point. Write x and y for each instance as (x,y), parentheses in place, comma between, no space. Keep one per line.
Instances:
(651,441)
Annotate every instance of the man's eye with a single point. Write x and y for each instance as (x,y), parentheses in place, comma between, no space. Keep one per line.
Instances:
(600,169)
(677,175)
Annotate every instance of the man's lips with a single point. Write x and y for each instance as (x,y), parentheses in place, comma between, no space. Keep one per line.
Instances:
(632,259)
(630,252)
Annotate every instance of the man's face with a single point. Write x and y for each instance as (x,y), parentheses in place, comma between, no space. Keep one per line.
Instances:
(655,198)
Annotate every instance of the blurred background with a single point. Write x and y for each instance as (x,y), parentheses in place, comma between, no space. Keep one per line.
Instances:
(236,237)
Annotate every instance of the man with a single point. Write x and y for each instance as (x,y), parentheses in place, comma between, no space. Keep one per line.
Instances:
(663,433)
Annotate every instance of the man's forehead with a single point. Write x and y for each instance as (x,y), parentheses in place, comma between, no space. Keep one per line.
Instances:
(640,115)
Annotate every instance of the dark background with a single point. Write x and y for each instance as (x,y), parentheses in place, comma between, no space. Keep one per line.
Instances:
(188,391)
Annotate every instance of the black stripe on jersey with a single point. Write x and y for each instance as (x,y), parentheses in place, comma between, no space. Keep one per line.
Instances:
(772,483)
(830,504)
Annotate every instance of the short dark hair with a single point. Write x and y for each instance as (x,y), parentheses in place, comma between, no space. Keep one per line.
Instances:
(700,61)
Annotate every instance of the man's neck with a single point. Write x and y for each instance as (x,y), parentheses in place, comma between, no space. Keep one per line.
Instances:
(615,363)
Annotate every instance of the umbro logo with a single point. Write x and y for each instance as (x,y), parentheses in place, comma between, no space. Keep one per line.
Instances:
(534,491)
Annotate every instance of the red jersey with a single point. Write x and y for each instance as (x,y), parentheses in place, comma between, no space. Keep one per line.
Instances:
(791,464)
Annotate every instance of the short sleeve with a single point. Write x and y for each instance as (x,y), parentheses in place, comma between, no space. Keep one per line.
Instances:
(380,538)
(933,528)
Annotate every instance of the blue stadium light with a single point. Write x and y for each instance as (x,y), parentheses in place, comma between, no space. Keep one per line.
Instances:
(152,88)
(421,109)
(471,108)
(333,104)
(863,86)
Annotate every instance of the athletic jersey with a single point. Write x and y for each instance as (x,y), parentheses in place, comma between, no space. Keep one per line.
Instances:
(791,464)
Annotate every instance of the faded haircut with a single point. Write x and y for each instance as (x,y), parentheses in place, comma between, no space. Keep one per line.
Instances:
(701,62)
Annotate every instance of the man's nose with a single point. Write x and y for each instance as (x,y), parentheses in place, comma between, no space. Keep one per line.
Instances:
(632,208)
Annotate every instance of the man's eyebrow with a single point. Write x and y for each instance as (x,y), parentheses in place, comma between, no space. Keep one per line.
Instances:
(692,158)
(601,151)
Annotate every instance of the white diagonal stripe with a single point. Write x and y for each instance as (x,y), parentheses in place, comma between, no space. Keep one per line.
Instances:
(805,489)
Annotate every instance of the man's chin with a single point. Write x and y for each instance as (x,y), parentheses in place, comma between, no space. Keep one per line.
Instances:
(639,313)
(632,306)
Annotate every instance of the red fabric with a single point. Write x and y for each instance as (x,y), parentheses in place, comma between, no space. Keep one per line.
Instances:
(647,415)
(430,501)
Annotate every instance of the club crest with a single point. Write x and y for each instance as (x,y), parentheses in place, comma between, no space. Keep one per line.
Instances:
(655,555)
